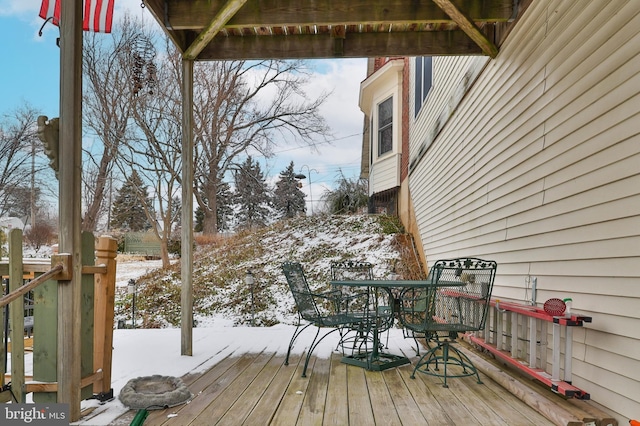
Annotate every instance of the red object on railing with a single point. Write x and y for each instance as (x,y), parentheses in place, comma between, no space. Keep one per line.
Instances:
(560,386)
(539,313)
(554,307)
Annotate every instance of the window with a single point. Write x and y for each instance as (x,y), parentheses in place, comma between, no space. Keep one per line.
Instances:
(423,79)
(371,140)
(385,126)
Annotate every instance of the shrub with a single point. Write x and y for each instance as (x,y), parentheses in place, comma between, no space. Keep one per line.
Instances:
(390,224)
(39,235)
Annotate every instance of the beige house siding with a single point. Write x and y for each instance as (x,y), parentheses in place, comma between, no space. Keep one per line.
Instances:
(537,166)
(451,77)
(384,170)
(385,173)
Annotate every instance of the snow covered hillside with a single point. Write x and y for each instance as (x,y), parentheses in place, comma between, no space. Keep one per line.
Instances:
(220,269)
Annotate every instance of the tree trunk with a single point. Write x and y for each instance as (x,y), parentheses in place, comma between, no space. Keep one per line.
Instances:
(210,220)
(90,219)
(164,253)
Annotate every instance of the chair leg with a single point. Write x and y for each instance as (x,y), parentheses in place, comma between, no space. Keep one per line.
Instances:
(466,364)
(445,361)
(431,355)
(313,346)
(448,355)
(355,338)
(417,345)
(296,333)
(405,334)
(343,336)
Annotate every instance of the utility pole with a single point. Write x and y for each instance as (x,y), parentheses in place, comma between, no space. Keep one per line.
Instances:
(309,174)
(33,184)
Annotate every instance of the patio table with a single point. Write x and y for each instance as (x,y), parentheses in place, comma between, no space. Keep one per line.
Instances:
(375,359)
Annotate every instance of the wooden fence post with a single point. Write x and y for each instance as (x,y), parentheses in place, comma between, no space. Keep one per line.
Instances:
(45,340)
(16,315)
(87,331)
(105,291)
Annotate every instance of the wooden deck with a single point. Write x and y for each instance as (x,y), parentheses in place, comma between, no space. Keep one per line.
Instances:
(257,389)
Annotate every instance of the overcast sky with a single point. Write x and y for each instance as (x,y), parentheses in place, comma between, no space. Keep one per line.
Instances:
(30,74)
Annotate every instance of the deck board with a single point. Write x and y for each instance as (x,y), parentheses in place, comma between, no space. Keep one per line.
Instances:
(337,403)
(358,399)
(221,385)
(407,408)
(254,393)
(257,389)
(455,406)
(478,407)
(273,395)
(381,400)
(215,411)
(313,407)
(503,404)
(427,402)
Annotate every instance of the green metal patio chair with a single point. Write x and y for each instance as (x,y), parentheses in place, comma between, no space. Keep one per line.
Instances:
(357,337)
(457,302)
(323,310)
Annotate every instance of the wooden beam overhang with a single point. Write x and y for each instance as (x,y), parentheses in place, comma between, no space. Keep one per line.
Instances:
(469,27)
(250,29)
(196,15)
(352,45)
(221,18)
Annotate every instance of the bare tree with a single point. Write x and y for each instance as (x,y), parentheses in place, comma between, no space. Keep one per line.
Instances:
(21,163)
(243,107)
(240,107)
(109,71)
(155,152)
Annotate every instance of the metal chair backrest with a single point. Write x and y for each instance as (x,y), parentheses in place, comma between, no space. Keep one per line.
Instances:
(299,287)
(351,270)
(459,300)
(463,307)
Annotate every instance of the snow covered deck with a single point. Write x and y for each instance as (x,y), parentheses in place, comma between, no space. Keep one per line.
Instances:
(238,377)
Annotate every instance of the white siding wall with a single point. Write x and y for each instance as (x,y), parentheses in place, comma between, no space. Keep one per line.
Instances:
(385,173)
(384,83)
(451,77)
(538,168)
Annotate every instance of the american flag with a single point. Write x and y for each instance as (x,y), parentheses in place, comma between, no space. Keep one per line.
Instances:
(98,14)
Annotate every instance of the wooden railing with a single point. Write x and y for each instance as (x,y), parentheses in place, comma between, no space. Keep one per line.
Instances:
(98,294)
(21,291)
(517,335)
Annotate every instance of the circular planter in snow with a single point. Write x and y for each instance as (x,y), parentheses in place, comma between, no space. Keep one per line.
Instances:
(154,392)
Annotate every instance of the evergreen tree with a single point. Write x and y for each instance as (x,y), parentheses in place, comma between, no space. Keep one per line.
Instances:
(251,196)
(199,219)
(288,199)
(4,250)
(224,206)
(128,210)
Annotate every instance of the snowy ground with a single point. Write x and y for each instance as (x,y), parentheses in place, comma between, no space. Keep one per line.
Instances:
(132,270)
(145,352)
